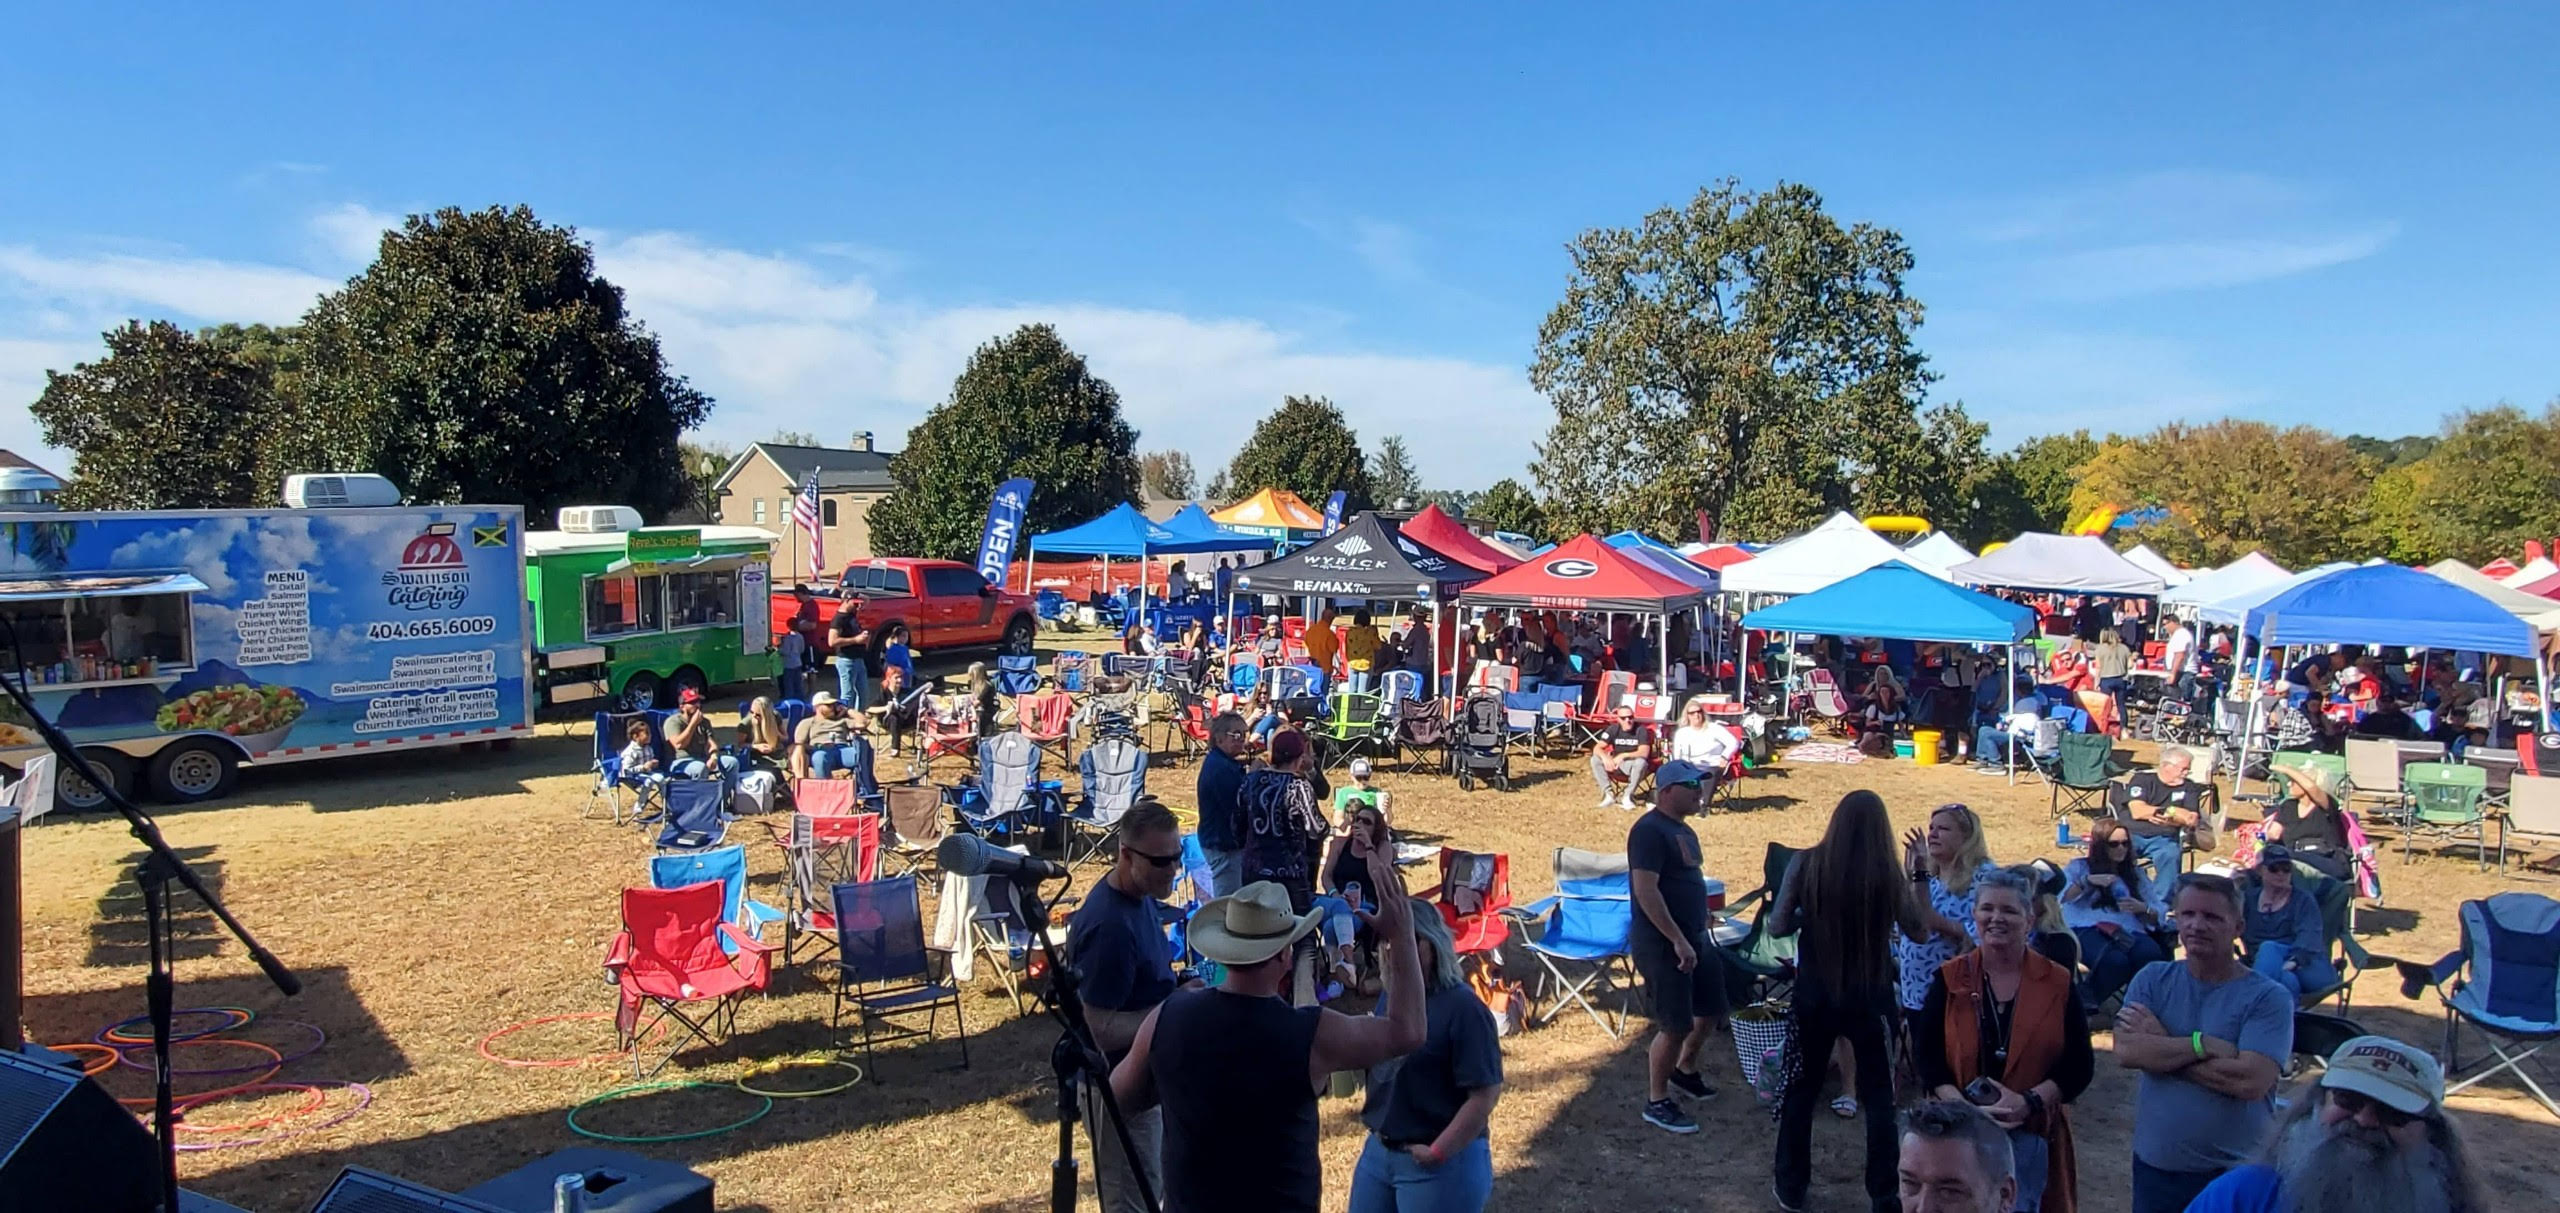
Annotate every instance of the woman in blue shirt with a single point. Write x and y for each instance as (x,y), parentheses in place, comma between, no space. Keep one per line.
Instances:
(2282,934)
(1426,1113)
(2106,905)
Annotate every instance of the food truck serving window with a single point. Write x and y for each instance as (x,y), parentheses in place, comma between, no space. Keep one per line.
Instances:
(622,605)
(118,627)
(696,600)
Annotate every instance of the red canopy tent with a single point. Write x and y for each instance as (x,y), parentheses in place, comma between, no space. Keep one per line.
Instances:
(2548,587)
(2500,567)
(1585,574)
(1721,556)
(1436,530)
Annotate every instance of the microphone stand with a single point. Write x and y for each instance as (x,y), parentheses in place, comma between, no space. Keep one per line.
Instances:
(1076,1057)
(160,867)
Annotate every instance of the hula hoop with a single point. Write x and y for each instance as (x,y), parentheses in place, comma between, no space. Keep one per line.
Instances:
(794,1063)
(83,1046)
(670,1085)
(364,1099)
(318,1038)
(115,1034)
(316,1097)
(553,1063)
(266,1070)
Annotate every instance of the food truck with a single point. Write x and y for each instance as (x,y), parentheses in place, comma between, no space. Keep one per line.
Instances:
(172,646)
(631,616)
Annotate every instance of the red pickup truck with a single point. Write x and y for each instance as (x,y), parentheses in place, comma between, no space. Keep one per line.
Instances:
(944,603)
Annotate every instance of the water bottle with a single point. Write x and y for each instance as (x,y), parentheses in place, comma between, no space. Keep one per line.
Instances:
(569,1193)
(2062,836)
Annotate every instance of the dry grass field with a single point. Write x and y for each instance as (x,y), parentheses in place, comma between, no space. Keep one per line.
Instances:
(430,899)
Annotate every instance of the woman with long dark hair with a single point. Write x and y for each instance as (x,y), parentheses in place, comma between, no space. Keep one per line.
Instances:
(1844,900)
(2107,904)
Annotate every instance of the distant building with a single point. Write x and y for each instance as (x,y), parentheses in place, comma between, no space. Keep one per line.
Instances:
(758,490)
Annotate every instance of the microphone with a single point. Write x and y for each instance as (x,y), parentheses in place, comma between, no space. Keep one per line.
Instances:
(970,855)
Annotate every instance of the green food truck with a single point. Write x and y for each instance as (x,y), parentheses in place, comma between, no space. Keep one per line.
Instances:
(633,615)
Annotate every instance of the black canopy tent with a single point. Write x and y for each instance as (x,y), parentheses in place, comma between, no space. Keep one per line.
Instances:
(1367,560)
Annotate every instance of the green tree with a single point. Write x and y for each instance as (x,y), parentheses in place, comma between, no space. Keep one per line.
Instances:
(2392,452)
(2299,494)
(1940,461)
(1509,506)
(1026,405)
(481,358)
(2046,468)
(1392,476)
(2488,484)
(1305,447)
(1744,355)
(794,438)
(166,420)
(1167,475)
(704,463)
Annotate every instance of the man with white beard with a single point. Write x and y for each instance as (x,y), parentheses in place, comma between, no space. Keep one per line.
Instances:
(2370,1136)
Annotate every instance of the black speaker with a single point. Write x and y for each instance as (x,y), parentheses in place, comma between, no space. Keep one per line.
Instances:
(615,1182)
(65,1144)
(361,1191)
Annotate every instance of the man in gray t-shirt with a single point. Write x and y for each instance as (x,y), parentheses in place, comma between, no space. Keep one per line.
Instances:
(2210,1038)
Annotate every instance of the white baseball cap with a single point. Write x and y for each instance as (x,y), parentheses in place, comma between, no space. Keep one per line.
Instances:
(2392,1073)
(1359,768)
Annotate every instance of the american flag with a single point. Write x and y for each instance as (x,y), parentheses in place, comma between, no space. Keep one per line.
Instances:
(804,514)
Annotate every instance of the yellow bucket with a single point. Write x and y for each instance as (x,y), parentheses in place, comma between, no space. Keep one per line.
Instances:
(1924,747)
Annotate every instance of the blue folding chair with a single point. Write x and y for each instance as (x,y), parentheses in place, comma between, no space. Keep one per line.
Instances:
(882,969)
(1586,925)
(1009,786)
(1295,682)
(1072,668)
(2504,981)
(611,735)
(1397,686)
(1243,678)
(697,815)
(728,865)
(1114,771)
(1017,675)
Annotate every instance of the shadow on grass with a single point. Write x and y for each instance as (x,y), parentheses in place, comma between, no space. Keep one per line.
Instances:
(327,1002)
(117,936)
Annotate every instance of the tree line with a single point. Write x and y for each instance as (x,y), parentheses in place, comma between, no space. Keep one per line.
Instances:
(1737,366)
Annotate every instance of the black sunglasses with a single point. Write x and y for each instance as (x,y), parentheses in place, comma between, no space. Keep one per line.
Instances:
(2353,1103)
(1161,861)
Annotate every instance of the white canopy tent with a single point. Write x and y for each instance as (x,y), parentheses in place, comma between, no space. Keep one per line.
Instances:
(2534,570)
(2142,557)
(2541,612)
(1841,548)
(2251,572)
(2068,564)
(1936,552)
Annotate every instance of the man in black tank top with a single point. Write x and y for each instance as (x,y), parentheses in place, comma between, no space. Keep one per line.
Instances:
(1236,1068)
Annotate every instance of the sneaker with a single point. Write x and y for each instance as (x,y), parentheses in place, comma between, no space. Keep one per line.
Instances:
(1665,1114)
(1785,1205)
(1692,1085)
(1607,799)
(1627,803)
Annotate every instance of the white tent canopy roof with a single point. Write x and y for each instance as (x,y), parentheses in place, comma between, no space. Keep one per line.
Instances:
(2534,570)
(2541,612)
(1841,548)
(2250,572)
(2072,564)
(2157,565)
(2235,607)
(1936,552)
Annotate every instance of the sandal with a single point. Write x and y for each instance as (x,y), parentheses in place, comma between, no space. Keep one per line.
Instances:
(1844,1107)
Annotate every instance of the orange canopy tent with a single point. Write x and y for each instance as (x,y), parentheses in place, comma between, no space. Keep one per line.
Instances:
(1274,512)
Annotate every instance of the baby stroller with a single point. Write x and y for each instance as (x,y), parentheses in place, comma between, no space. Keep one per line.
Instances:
(1481,736)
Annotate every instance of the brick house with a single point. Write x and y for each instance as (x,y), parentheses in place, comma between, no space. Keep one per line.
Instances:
(759,486)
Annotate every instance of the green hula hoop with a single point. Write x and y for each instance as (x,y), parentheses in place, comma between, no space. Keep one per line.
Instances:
(672,1085)
(795,1063)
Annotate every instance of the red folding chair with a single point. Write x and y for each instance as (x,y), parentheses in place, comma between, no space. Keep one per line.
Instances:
(1474,914)
(824,797)
(825,851)
(1048,719)
(671,968)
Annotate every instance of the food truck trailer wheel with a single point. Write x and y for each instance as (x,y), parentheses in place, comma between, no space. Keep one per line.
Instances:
(73,791)
(640,694)
(198,768)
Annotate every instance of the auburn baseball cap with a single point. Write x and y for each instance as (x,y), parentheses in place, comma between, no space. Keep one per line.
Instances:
(2395,1074)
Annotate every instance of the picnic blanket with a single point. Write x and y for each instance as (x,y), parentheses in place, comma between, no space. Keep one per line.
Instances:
(1825,751)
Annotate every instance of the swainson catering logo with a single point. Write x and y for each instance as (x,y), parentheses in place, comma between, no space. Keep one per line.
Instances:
(432,575)
(1571,568)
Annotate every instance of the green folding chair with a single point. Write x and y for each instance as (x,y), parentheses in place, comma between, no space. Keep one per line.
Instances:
(2444,802)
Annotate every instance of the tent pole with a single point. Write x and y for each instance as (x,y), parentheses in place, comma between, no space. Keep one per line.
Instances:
(2009,746)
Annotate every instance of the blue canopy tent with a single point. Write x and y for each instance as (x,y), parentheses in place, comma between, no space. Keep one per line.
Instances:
(1894,601)
(1124,532)
(1641,541)
(1191,524)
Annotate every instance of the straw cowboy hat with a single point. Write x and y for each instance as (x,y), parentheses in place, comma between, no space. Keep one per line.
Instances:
(1249,926)
(2319,783)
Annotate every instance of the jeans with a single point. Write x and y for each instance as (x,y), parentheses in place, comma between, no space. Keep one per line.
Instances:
(795,682)
(853,683)
(2161,853)
(1223,873)
(1113,1181)
(2158,1191)
(1393,1181)
(725,766)
(2310,972)
(2113,960)
(1361,682)
(1339,926)
(1818,1026)
(826,760)
(1265,727)
(2033,1160)
(1608,771)
(1990,744)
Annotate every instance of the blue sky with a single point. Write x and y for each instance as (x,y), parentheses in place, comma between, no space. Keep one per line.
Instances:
(2334,214)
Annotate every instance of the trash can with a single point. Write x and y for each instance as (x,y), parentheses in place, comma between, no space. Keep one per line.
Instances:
(1924,747)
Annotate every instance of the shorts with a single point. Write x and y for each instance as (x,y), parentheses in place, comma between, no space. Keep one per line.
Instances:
(1680,999)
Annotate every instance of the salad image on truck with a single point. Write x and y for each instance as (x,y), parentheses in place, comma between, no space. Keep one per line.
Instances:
(172,646)
(635,615)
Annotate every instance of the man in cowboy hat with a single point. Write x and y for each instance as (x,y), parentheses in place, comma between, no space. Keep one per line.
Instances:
(2370,1134)
(1236,1068)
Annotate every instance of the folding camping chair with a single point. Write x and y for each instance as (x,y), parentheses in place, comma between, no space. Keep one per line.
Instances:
(881,965)
(2084,770)
(1420,728)
(1073,670)
(2504,981)
(2533,810)
(822,852)
(697,816)
(1114,770)
(728,865)
(1524,725)
(835,796)
(673,964)
(611,734)
(1017,675)
(1769,960)
(1009,787)
(1359,725)
(1115,709)
(1398,686)
(1244,671)
(2444,801)
(1616,687)
(1295,682)
(919,814)
(1493,676)
(2373,773)
(941,737)
(1048,719)
(1586,926)
(1826,700)
(1475,893)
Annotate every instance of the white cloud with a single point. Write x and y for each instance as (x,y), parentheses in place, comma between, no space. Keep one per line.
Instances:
(352,232)
(198,289)
(2177,265)
(203,548)
(2161,232)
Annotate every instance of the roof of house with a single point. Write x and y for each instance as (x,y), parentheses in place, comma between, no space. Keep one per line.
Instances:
(12,459)
(840,469)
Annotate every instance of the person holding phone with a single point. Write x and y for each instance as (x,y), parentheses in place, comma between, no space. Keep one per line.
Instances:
(2108,904)
(2001,1029)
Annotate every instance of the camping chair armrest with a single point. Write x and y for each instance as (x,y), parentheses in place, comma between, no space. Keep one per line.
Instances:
(746,943)
(2415,977)
(1533,911)
(617,956)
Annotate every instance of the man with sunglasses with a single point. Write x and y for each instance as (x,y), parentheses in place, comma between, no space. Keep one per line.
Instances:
(2369,1134)
(1124,967)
